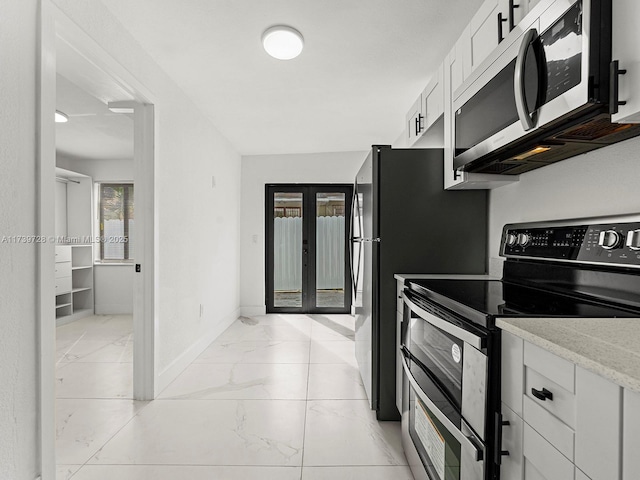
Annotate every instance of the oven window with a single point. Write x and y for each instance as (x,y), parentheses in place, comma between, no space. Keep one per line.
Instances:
(437,448)
(489,111)
(440,354)
(562,44)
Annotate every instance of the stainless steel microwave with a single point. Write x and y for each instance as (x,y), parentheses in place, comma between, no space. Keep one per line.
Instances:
(548,96)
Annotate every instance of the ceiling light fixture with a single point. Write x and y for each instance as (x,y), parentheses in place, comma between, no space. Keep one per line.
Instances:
(61,117)
(282,42)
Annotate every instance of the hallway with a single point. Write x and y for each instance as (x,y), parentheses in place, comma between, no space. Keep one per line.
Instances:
(274,397)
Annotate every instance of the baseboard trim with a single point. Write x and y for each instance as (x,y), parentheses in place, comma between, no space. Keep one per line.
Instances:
(176,367)
(253,310)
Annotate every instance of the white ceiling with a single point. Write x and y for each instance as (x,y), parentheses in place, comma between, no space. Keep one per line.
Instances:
(364,63)
(92,132)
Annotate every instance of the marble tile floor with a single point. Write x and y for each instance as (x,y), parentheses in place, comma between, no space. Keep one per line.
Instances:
(275,397)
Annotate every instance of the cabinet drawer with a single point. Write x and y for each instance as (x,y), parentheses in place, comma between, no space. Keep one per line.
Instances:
(553,430)
(542,460)
(63,285)
(563,402)
(63,269)
(63,253)
(556,369)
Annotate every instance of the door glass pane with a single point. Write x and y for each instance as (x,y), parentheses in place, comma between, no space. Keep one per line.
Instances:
(287,249)
(330,246)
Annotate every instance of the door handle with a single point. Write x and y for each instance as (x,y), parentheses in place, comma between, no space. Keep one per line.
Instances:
(512,16)
(501,20)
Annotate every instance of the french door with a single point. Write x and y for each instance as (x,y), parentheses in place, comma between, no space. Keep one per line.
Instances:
(307,248)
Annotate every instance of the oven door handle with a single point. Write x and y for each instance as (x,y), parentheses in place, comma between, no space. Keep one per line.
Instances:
(468,443)
(464,335)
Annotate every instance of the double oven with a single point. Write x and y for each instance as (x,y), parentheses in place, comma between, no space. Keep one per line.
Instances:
(450,392)
(451,349)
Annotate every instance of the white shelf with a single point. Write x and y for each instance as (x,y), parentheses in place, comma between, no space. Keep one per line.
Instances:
(78,302)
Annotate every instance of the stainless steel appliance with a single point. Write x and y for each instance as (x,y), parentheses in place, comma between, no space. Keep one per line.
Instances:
(548,96)
(403,221)
(451,420)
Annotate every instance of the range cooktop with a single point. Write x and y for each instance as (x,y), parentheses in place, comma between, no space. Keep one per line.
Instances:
(483,300)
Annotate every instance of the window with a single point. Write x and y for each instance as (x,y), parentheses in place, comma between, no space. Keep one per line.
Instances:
(115,209)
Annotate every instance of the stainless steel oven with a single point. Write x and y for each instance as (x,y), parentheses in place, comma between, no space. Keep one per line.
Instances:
(446,394)
(545,97)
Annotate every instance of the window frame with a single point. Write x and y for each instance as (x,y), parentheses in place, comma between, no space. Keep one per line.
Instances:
(100,224)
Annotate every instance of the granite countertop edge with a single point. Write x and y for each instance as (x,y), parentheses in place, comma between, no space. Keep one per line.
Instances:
(588,349)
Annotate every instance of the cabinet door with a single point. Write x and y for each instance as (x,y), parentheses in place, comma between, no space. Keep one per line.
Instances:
(512,464)
(631,436)
(598,423)
(484,29)
(415,120)
(433,98)
(542,461)
(626,38)
(512,382)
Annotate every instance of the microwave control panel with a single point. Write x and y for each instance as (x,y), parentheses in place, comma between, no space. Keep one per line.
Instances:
(606,243)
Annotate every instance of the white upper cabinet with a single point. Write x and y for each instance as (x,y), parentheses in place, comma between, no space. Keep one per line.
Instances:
(433,99)
(626,38)
(415,121)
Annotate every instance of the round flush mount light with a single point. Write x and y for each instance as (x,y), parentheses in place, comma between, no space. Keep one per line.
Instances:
(61,117)
(282,42)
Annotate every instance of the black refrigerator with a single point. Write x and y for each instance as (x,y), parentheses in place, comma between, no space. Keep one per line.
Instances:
(403,221)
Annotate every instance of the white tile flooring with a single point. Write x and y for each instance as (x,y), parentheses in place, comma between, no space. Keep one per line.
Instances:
(275,397)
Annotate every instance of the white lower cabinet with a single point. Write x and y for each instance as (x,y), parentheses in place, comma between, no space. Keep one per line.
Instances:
(574,424)
(631,436)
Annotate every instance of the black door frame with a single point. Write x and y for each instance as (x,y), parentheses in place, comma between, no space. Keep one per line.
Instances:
(309,191)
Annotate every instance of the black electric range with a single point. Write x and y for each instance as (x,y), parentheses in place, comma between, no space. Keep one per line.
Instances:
(450,345)
(554,269)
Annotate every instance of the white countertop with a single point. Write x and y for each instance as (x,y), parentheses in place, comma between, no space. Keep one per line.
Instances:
(609,347)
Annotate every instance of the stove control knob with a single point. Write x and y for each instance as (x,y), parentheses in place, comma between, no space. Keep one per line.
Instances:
(609,239)
(511,239)
(633,240)
(523,239)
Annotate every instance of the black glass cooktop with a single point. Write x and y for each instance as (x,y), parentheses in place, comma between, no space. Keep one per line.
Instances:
(483,300)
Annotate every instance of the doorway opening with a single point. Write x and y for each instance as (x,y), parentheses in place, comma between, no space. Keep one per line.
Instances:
(307,248)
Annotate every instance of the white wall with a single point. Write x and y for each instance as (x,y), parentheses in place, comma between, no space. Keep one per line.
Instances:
(603,182)
(197,226)
(259,170)
(113,289)
(120,170)
(18,301)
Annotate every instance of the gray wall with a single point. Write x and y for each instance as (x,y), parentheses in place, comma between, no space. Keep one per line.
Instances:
(604,182)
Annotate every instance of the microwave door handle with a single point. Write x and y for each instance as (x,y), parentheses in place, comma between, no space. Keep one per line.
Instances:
(519,80)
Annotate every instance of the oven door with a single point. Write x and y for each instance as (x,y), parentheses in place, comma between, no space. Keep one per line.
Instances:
(436,448)
(445,396)
(536,80)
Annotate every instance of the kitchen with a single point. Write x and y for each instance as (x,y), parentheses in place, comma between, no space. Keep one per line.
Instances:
(600,183)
